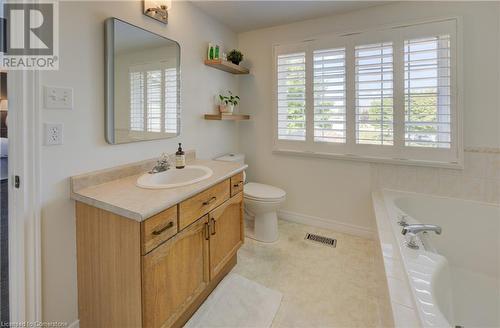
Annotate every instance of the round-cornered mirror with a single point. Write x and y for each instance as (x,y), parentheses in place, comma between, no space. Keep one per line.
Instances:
(142,84)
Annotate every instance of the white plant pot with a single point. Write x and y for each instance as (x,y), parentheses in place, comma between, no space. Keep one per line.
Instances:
(226,109)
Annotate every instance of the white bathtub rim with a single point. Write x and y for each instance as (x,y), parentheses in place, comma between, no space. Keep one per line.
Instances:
(419,265)
(392,191)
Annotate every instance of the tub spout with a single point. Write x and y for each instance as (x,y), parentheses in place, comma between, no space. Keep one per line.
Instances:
(416,228)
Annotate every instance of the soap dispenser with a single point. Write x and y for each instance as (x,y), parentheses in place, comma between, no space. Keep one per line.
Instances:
(180,158)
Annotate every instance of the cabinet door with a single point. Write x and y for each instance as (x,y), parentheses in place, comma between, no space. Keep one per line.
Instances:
(174,274)
(226,233)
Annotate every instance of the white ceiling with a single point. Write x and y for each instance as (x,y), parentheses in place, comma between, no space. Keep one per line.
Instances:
(244,15)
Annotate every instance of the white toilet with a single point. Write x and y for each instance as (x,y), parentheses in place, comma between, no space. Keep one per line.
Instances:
(261,203)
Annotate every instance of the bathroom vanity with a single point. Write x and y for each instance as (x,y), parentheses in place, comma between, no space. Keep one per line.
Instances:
(149,258)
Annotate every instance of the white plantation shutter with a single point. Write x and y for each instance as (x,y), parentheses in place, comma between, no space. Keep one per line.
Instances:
(428,92)
(389,95)
(374,94)
(291,98)
(171,100)
(154,100)
(330,95)
(136,80)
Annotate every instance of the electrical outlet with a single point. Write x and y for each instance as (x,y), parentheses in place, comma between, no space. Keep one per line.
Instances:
(53,134)
(58,98)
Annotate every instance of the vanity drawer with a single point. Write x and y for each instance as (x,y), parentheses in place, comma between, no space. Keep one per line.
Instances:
(158,228)
(236,183)
(195,207)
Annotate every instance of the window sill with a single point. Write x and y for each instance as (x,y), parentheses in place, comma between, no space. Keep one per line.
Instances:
(369,159)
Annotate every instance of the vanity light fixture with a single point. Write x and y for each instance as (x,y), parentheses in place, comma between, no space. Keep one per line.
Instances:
(157,9)
(4,105)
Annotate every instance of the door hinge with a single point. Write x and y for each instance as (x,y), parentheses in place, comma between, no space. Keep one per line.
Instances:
(17,181)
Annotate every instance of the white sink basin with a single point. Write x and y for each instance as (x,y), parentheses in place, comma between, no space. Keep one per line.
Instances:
(173,177)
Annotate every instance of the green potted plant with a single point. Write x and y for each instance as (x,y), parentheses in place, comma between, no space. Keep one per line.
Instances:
(228,103)
(235,56)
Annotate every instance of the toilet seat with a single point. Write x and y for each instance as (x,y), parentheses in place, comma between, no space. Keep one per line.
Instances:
(263,193)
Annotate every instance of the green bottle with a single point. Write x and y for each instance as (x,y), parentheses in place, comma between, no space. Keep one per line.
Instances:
(216,52)
(211,52)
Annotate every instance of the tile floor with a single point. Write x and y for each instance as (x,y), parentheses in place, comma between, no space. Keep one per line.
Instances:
(322,286)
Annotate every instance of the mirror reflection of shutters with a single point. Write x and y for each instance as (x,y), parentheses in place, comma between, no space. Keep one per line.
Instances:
(171,100)
(154,100)
(136,101)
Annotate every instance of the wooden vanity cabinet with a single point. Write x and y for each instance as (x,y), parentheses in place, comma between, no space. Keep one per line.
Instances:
(193,208)
(155,273)
(226,233)
(237,182)
(174,274)
(158,229)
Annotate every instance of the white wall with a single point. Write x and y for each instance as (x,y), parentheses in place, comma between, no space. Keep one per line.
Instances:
(340,190)
(82,68)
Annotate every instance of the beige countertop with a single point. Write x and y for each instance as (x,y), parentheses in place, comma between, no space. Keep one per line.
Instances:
(121,195)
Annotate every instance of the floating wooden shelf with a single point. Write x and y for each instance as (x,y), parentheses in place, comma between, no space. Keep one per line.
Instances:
(227,117)
(226,66)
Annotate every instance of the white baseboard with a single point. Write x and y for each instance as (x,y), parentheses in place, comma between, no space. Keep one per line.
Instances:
(326,223)
(74,324)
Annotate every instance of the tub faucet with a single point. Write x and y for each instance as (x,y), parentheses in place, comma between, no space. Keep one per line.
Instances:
(416,228)
(162,164)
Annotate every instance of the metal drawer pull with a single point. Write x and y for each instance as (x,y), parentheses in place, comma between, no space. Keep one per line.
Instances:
(168,226)
(214,222)
(210,201)
(238,184)
(207,232)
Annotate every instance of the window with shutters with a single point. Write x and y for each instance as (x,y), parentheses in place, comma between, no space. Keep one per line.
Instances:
(388,95)
(292,96)
(427,92)
(374,111)
(154,99)
(329,95)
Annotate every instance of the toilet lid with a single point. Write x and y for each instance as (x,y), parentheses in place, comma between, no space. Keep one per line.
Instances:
(262,191)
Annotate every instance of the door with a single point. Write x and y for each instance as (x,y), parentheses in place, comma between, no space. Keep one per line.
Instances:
(226,232)
(174,274)
(4,202)
(24,196)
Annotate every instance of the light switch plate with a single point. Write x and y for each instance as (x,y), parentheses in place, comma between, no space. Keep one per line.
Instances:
(58,98)
(53,134)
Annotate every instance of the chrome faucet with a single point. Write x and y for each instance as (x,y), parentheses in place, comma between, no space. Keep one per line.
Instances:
(402,220)
(416,228)
(162,164)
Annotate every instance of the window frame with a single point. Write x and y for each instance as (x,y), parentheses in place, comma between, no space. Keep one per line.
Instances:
(397,153)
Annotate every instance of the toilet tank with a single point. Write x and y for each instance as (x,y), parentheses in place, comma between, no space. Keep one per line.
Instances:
(232,157)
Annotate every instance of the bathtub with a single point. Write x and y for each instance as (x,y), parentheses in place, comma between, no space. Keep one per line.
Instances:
(453,278)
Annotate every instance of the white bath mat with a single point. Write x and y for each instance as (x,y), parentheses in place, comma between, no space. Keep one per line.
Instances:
(237,302)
